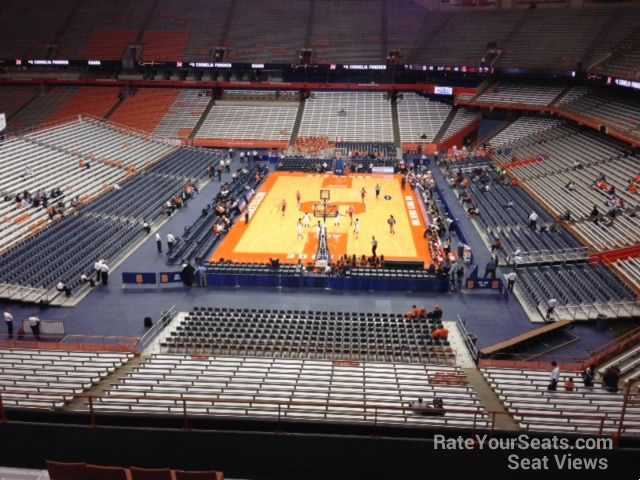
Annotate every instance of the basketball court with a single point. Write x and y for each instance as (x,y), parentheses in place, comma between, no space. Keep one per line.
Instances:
(270,234)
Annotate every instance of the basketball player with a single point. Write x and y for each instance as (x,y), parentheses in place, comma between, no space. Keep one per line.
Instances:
(283,207)
(350,215)
(299,227)
(319,229)
(363,193)
(374,246)
(306,220)
(336,221)
(298,197)
(377,190)
(356,228)
(392,224)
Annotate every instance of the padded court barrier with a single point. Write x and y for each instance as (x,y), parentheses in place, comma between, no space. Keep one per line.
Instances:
(368,281)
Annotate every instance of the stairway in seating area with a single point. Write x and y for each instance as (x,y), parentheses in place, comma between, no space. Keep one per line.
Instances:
(296,125)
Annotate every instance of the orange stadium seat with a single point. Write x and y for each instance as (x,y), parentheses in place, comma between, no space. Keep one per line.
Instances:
(165,45)
(205,475)
(146,109)
(150,473)
(66,470)
(99,472)
(95,101)
(109,44)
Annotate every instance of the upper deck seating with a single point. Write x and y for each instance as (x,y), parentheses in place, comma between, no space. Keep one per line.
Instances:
(347,117)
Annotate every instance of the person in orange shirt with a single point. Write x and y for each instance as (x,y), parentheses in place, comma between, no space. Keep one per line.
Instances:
(633,188)
(413,313)
(442,333)
(569,386)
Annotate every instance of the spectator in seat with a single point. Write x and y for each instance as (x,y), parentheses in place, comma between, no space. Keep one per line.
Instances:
(571,186)
(421,408)
(588,376)
(611,378)
(63,287)
(577,165)
(146,227)
(633,188)
(569,386)
(84,278)
(436,314)
(171,241)
(554,378)
(497,245)
(595,214)
(551,306)
(440,333)
(567,216)
(533,220)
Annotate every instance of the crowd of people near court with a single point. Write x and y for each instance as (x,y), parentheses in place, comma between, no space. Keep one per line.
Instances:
(311,145)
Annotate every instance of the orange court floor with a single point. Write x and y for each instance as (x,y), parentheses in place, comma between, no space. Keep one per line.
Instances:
(272,233)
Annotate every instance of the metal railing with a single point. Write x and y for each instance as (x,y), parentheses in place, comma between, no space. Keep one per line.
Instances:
(469,341)
(565,254)
(591,311)
(71,343)
(154,331)
(315,412)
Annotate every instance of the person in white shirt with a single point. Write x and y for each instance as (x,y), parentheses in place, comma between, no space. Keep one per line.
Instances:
(146,227)
(171,241)
(96,269)
(306,220)
(8,320)
(533,220)
(254,155)
(241,157)
(159,242)
(336,220)
(104,273)
(62,287)
(511,280)
(299,229)
(34,323)
(551,305)
(554,378)
(116,187)
(84,278)
(356,228)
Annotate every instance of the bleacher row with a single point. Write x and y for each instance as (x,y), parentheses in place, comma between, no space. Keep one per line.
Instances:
(321,390)
(524,394)
(308,334)
(109,226)
(49,378)
(418,117)
(54,158)
(307,390)
(559,38)
(504,211)
(555,148)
